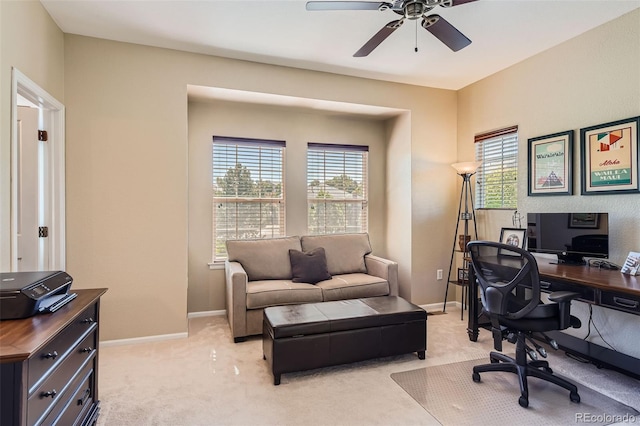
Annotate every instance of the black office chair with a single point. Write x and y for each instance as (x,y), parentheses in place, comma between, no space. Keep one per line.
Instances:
(510,292)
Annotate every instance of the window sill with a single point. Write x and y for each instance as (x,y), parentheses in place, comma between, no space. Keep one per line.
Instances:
(216,265)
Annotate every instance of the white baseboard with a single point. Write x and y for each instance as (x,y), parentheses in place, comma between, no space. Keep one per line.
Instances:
(200,314)
(431,307)
(222,312)
(145,339)
(161,337)
(436,307)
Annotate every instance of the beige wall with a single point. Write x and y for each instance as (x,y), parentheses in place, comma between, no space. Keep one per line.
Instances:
(399,236)
(296,127)
(128,168)
(128,155)
(592,79)
(31,42)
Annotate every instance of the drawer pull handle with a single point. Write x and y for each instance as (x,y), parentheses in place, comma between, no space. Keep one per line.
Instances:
(625,302)
(86,350)
(88,320)
(51,393)
(545,284)
(50,355)
(85,396)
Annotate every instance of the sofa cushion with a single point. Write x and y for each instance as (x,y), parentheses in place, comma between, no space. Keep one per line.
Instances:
(345,252)
(309,266)
(263,293)
(266,259)
(353,286)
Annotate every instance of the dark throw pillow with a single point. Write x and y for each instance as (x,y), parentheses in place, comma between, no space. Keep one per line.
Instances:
(309,267)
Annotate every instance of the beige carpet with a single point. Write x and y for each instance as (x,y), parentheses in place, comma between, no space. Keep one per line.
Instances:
(206,379)
(449,394)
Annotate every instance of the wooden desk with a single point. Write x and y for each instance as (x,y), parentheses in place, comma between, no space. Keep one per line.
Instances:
(601,287)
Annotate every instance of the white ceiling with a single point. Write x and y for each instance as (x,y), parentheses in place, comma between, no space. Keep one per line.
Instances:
(503,32)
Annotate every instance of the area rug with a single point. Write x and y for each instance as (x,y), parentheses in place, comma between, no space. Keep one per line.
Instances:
(449,394)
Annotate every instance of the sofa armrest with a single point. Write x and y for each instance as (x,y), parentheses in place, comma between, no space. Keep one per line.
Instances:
(236,285)
(383,268)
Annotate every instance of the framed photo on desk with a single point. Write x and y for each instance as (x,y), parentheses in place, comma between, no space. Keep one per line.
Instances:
(514,237)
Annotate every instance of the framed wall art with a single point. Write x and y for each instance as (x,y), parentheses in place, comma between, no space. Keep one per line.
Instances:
(584,220)
(550,160)
(609,157)
(513,236)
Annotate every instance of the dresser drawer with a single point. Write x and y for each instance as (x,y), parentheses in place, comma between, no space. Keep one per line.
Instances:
(59,383)
(54,352)
(620,302)
(74,405)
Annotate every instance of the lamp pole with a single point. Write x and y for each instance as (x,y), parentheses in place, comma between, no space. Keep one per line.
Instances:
(464,170)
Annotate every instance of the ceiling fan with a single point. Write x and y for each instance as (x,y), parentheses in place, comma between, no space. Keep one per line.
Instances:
(408,9)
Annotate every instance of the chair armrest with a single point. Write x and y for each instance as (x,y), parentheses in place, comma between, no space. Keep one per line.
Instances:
(563,296)
(563,299)
(383,268)
(236,285)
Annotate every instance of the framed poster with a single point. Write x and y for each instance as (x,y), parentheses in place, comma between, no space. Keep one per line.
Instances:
(550,159)
(609,157)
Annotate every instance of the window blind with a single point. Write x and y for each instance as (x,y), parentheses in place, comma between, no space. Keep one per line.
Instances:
(496,179)
(248,190)
(337,189)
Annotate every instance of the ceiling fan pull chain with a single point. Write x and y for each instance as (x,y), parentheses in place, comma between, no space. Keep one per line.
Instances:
(416,48)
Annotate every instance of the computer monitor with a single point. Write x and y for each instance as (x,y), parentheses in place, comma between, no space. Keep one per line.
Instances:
(570,236)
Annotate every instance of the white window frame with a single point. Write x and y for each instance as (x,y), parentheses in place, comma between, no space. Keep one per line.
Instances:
(496,178)
(259,155)
(324,163)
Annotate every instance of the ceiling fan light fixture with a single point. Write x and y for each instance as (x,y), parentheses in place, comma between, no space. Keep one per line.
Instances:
(414,9)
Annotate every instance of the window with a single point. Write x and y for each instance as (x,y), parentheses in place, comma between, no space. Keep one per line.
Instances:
(248,190)
(336,188)
(496,179)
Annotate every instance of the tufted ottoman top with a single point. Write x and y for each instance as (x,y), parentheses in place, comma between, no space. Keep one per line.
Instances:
(326,317)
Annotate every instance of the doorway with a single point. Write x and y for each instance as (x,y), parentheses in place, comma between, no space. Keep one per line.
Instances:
(37,178)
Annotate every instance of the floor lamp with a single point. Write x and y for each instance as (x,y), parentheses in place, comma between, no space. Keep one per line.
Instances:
(464,170)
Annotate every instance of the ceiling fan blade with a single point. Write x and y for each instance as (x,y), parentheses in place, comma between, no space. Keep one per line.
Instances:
(445,32)
(346,5)
(378,38)
(459,2)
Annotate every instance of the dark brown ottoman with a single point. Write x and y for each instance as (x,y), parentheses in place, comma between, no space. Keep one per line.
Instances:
(302,337)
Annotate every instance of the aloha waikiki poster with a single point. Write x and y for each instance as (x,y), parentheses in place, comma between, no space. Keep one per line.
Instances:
(610,157)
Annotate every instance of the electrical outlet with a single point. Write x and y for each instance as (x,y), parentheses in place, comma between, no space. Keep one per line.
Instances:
(439,274)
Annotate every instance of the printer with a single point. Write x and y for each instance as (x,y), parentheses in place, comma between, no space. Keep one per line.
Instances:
(23,294)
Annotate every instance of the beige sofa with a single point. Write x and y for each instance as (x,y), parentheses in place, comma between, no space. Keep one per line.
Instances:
(259,274)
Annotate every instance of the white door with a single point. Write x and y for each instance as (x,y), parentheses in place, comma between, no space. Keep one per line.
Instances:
(28,189)
(37,180)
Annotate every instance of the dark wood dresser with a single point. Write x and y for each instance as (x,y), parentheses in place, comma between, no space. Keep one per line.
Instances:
(49,365)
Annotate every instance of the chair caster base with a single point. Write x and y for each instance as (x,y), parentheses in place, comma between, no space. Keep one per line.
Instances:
(523,401)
